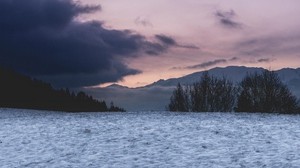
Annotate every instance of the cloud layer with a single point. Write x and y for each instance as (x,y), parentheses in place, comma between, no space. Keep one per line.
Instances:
(44,39)
(207,64)
(226,19)
(216,62)
(143,21)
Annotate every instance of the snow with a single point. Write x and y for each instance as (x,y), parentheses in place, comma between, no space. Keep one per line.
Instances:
(31,138)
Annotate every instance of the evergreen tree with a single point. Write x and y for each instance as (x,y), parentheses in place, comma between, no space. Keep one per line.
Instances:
(113,108)
(19,91)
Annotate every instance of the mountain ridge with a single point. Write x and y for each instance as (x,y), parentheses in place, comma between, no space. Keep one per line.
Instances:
(238,71)
(156,95)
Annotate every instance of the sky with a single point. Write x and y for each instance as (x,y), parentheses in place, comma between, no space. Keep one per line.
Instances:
(134,43)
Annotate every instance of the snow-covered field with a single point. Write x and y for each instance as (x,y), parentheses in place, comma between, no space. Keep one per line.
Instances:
(147,139)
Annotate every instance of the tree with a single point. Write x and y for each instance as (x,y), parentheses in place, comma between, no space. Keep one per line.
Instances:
(19,91)
(113,108)
(212,94)
(224,95)
(179,100)
(265,93)
(200,92)
(209,94)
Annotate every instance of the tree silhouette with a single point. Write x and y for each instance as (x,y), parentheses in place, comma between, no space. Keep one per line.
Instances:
(114,108)
(265,93)
(212,94)
(209,94)
(19,91)
(200,93)
(179,100)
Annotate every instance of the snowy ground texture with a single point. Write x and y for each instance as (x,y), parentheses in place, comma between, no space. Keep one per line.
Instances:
(147,139)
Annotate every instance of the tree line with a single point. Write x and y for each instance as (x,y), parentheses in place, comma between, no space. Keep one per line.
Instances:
(257,92)
(19,91)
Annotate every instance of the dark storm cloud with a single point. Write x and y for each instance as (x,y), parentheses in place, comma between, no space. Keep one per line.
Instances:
(226,19)
(16,15)
(42,38)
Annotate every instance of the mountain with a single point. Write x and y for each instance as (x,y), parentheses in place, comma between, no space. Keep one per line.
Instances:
(19,91)
(116,86)
(289,76)
(233,73)
(156,95)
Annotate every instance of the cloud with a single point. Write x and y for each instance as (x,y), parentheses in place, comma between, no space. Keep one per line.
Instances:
(207,64)
(143,21)
(244,60)
(169,41)
(264,60)
(226,19)
(204,64)
(234,59)
(44,39)
(269,45)
(189,46)
(165,39)
(17,16)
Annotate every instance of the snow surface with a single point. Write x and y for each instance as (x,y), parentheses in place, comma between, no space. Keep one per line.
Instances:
(31,138)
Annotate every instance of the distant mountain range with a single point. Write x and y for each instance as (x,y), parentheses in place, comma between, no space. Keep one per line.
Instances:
(156,95)
(234,73)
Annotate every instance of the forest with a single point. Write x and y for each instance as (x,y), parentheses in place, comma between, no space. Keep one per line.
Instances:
(20,91)
(258,92)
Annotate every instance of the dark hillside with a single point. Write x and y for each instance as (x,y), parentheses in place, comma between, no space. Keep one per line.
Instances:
(19,91)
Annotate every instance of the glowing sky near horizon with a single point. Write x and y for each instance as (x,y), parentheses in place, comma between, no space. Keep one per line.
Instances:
(245,33)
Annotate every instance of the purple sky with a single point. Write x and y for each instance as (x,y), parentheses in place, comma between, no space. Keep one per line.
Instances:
(250,33)
(77,44)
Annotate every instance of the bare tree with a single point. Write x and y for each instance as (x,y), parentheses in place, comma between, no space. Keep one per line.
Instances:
(265,92)
(209,94)
(179,100)
(212,94)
